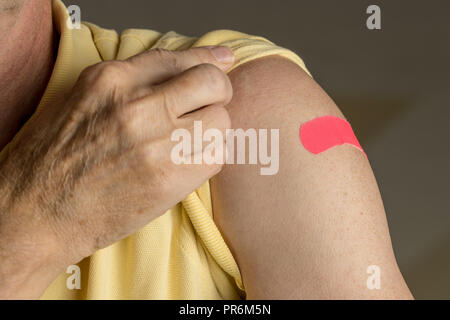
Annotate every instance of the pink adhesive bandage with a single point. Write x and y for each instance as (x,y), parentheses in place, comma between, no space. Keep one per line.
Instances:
(323,133)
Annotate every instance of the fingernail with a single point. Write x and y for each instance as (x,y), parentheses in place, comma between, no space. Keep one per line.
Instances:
(223,54)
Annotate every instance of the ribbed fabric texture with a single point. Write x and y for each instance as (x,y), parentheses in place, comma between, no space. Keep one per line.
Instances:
(180,255)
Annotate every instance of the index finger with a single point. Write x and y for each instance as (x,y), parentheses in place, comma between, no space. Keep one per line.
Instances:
(157,66)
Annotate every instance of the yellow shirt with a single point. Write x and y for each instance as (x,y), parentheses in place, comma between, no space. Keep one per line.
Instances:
(180,255)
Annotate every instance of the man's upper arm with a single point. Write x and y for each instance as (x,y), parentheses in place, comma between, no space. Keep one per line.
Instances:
(313,229)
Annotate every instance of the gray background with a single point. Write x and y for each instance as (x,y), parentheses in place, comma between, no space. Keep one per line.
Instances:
(392,84)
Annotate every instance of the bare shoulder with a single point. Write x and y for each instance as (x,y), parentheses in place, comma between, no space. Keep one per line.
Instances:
(314,228)
(276,77)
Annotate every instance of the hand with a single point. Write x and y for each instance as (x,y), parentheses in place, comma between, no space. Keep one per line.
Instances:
(89,171)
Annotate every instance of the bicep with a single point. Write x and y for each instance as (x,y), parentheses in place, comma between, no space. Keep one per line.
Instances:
(312,229)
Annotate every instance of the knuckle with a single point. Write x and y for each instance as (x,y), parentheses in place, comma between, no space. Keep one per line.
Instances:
(198,55)
(169,59)
(88,72)
(106,74)
(169,101)
(219,118)
(126,121)
(216,80)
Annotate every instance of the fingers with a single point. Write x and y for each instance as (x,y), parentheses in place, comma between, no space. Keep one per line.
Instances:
(197,160)
(156,66)
(199,93)
(197,87)
(211,123)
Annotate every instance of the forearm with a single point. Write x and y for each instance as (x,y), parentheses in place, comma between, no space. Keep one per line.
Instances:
(30,255)
(25,273)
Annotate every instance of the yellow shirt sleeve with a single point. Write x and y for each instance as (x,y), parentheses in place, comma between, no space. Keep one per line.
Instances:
(247,47)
